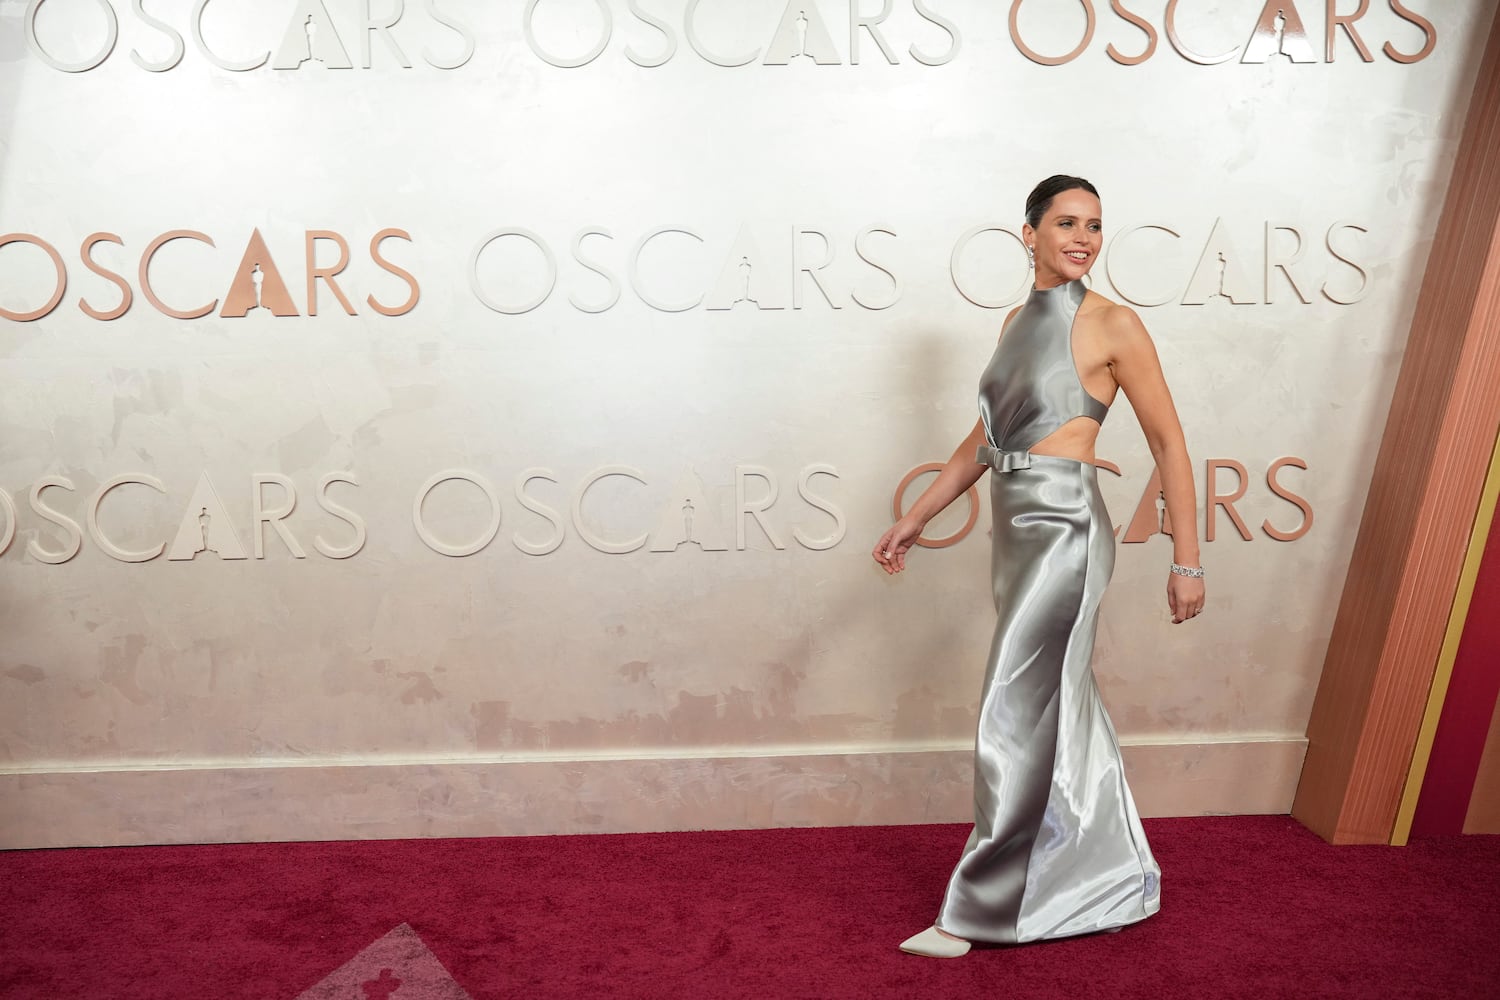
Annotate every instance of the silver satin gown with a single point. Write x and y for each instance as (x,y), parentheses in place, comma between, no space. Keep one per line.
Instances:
(1057,847)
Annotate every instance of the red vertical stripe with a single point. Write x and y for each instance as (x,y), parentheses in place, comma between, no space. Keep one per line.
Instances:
(1465,720)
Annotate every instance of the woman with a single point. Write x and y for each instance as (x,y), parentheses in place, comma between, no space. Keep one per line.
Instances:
(1057,847)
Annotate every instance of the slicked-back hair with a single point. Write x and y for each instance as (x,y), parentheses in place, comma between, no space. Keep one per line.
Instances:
(1041,196)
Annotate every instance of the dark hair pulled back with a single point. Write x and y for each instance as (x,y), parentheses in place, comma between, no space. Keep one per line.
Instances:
(1041,196)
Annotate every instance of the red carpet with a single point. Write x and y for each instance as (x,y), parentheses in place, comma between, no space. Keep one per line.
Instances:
(1251,907)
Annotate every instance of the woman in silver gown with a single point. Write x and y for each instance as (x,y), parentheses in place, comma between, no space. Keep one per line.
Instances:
(1057,847)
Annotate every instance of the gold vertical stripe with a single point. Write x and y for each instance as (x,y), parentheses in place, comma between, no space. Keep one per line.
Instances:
(1409,553)
(1483,518)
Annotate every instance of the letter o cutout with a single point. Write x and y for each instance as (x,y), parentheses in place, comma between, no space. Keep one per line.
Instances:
(1037,57)
(62,277)
(958,251)
(112,36)
(972,495)
(536,241)
(438,545)
(561,63)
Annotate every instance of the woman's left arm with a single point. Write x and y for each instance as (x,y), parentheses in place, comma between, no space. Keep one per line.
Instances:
(1137,371)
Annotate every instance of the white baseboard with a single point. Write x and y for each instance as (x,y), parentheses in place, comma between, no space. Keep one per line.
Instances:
(557,794)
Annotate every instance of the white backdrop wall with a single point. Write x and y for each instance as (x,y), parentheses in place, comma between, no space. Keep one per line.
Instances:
(680,328)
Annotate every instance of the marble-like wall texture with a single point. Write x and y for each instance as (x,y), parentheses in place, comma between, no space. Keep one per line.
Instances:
(475,417)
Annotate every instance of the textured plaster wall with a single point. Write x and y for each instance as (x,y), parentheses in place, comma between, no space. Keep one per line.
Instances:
(737,670)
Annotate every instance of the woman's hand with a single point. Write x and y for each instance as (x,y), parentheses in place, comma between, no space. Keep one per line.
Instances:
(1184,596)
(890,551)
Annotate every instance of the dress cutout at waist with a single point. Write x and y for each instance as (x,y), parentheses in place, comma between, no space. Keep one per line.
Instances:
(1031,386)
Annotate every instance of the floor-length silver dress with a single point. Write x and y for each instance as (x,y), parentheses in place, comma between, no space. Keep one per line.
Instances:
(1057,847)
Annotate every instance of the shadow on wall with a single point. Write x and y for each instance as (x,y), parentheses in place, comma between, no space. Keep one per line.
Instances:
(924,363)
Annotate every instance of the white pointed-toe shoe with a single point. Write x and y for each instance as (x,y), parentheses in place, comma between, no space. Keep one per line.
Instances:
(933,944)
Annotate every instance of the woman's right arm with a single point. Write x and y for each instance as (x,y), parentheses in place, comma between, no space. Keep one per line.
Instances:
(960,472)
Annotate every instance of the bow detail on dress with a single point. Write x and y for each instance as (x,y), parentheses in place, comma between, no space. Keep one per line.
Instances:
(1003,461)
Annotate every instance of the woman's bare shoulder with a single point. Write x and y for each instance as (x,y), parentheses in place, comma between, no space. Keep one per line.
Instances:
(1095,301)
(1110,317)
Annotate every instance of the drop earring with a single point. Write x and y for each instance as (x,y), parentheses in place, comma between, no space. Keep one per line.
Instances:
(1030,258)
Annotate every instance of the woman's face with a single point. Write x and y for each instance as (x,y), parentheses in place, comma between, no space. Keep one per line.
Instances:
(1069,238)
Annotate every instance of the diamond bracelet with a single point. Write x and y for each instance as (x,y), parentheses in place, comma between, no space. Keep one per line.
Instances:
(1193,571)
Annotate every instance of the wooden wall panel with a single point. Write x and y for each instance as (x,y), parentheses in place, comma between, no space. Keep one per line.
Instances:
(1428,478)
(1464,691)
